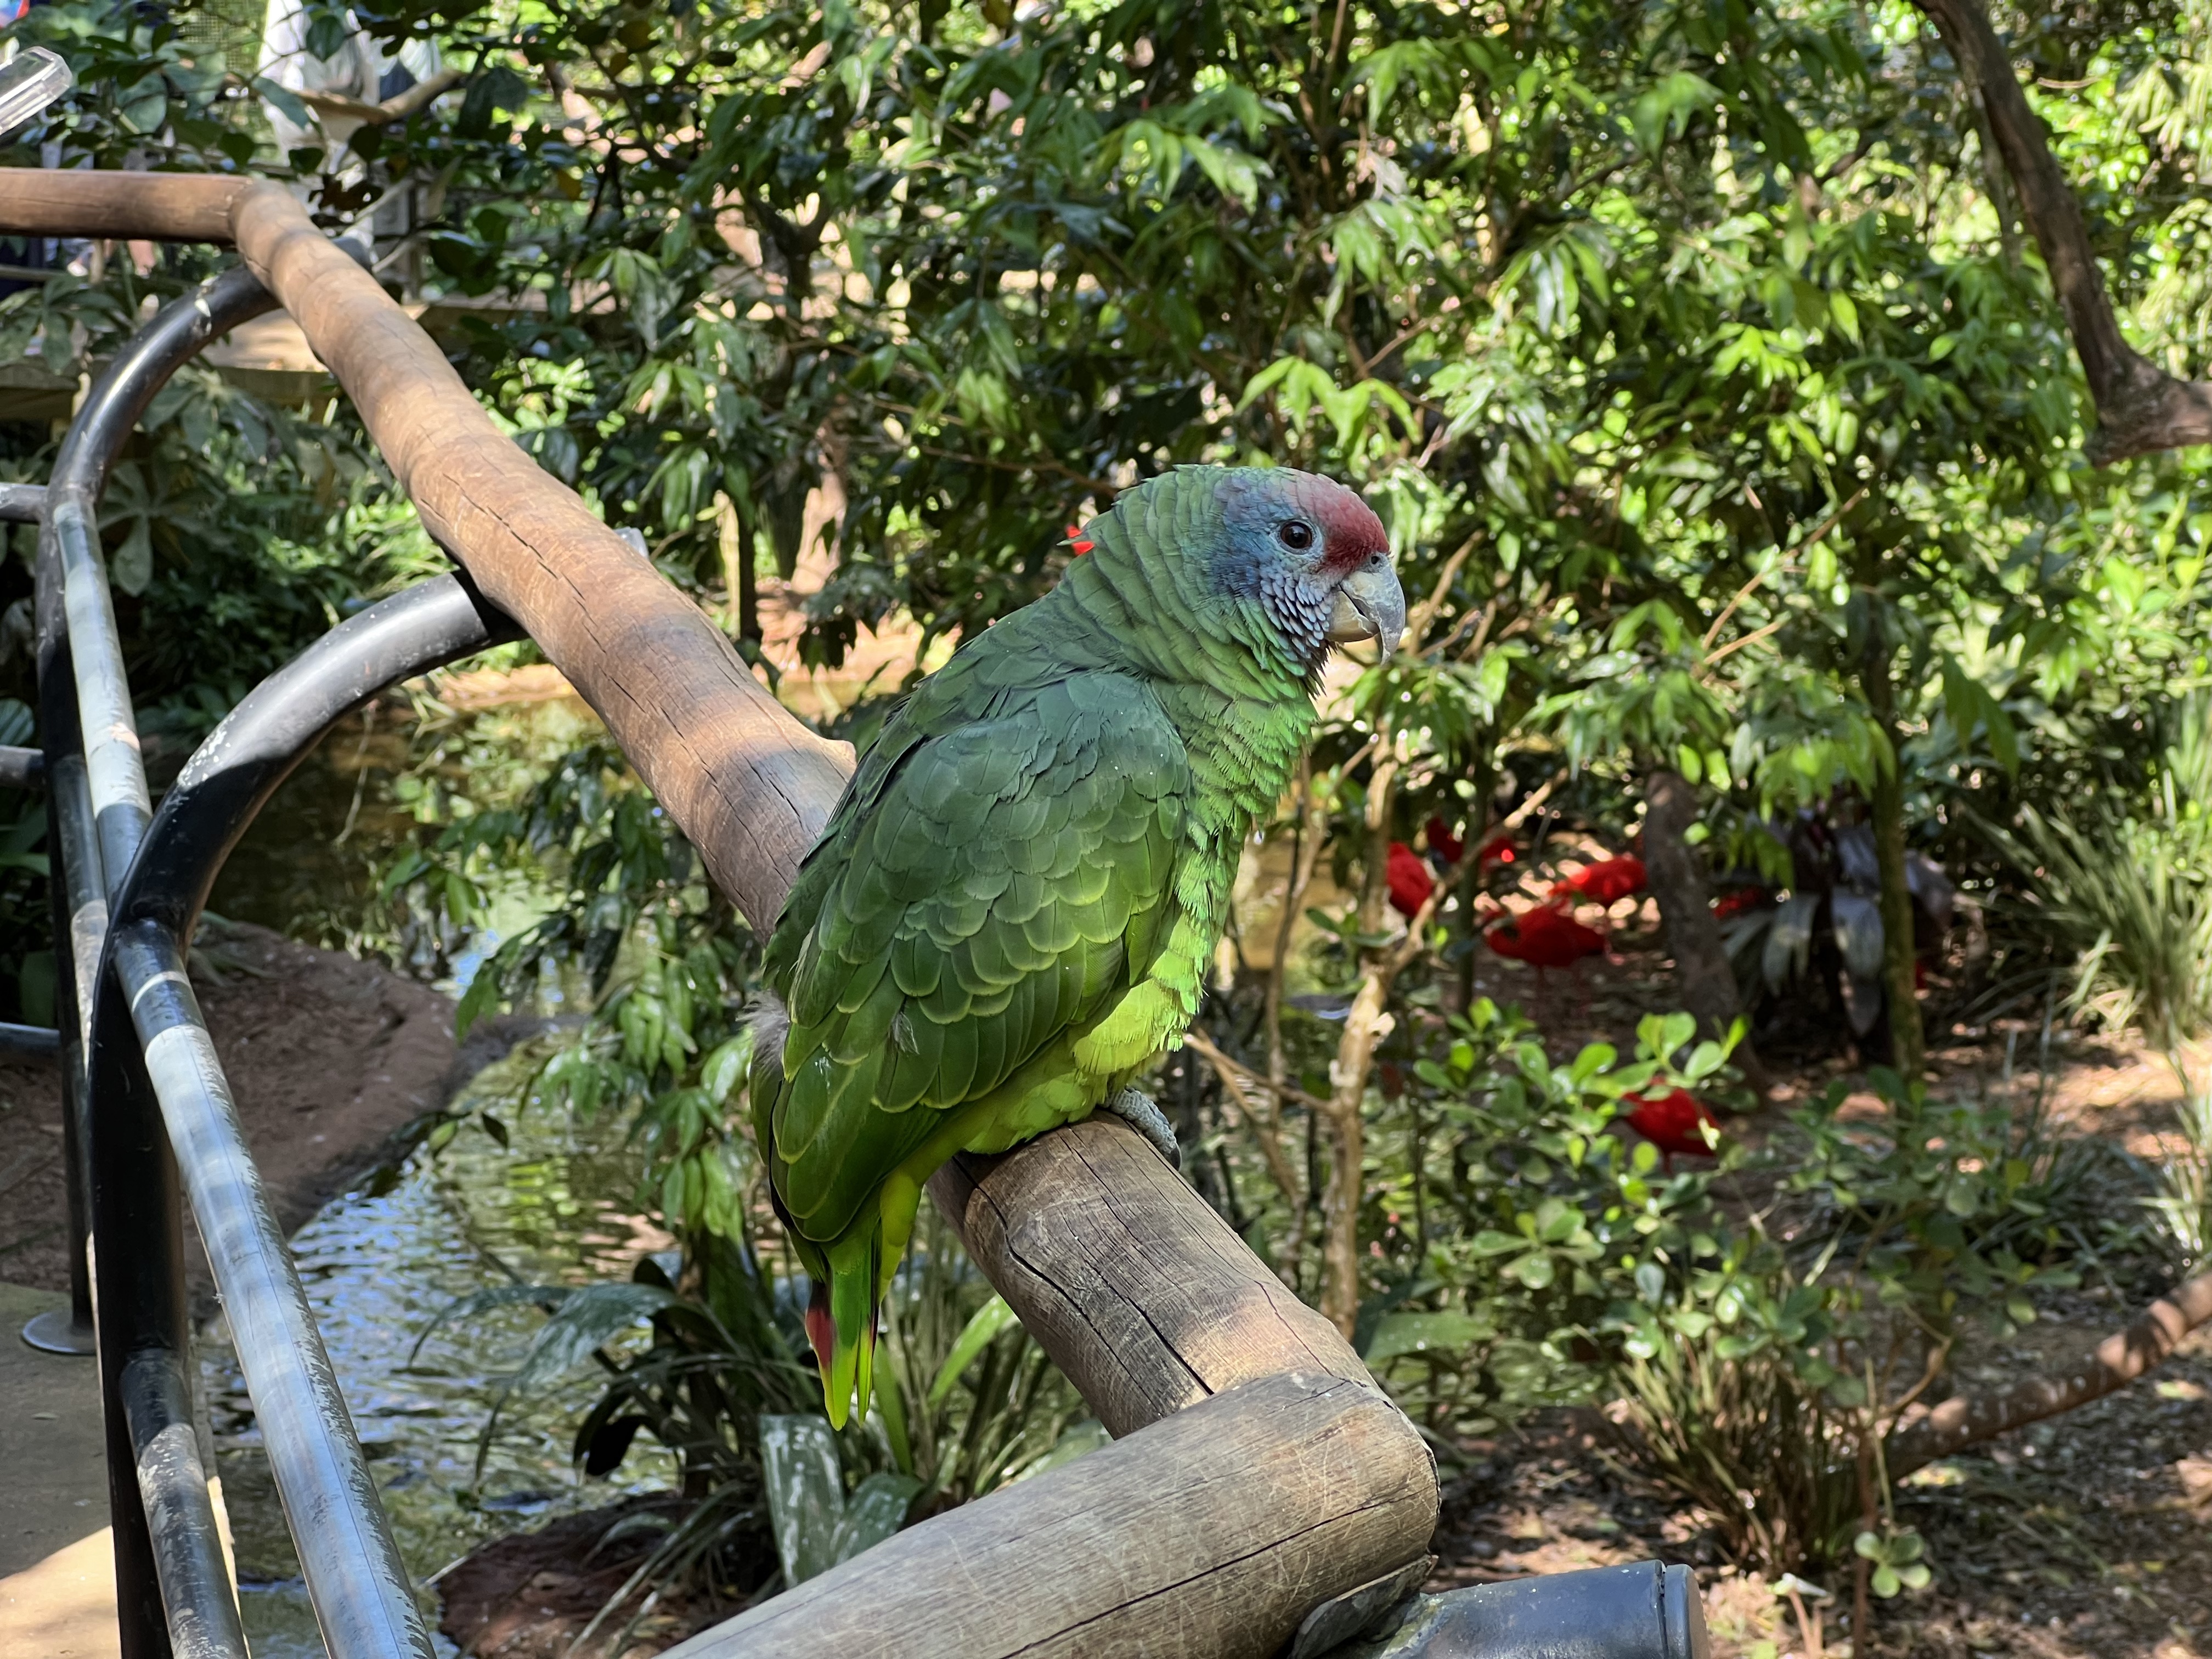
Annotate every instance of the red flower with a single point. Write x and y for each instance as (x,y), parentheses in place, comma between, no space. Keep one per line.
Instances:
(1077,540)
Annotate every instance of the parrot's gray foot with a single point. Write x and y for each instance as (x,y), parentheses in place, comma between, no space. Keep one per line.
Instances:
(1135,1107)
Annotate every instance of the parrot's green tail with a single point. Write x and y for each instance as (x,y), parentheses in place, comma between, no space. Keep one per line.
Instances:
(841,1323)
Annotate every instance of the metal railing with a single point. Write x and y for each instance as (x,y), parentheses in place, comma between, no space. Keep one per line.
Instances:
(150,1123)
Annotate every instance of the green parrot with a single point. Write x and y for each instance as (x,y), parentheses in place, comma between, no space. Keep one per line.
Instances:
(1011,911)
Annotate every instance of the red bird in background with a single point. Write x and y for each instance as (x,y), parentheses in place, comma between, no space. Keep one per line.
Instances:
(1546,937)
(1411,883)
(1673,1122)
(1497,848)
(1606,883)
(1444,844)
(1736,901)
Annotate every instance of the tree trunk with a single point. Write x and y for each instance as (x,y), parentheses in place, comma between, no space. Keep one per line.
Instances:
(2140,407)
(748,593)
(1703,981)
(1908,1045)
(1366,1025)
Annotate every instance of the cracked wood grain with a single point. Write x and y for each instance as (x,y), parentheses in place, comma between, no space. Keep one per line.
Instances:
(1262,1472)
(1251,1504)
(1131,1283)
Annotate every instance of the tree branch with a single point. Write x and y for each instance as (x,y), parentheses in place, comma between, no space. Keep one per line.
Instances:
(2140,407)
(420,96)
(2118,1360)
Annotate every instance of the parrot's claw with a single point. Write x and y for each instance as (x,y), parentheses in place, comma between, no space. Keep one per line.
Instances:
(1135,1107)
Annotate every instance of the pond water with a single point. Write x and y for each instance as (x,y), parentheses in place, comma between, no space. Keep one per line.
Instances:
(558,1205)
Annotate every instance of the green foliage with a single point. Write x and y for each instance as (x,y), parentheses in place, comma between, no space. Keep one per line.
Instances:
(1700,379)
(1760,1326)
(2126,889)
(2183,1203)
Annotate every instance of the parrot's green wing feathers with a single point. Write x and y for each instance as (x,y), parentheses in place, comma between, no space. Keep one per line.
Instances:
(997,876)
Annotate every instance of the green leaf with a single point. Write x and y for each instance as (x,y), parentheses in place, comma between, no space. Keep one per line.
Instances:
(993,1317)
(873,1513)
(726,1067)
(1422,1332)
(805,1492)
(1535,1269)
(287,102)
(131,567)
(480,998)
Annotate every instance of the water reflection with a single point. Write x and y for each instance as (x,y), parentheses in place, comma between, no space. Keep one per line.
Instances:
(555,1207)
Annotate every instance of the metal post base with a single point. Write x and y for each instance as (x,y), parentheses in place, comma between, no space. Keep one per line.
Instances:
(53,1333)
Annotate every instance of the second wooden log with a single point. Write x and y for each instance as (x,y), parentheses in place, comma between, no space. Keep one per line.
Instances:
(1254,1507)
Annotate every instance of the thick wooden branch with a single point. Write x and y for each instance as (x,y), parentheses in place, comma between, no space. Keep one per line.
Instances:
(1129,1285)
(398,107)
(1273,1473)
(2118,1360)
(2140,407)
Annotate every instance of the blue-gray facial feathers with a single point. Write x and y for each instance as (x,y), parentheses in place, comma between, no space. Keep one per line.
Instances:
(1288,540)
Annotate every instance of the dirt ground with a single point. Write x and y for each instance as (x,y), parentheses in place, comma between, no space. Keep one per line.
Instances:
(2088,1537)
(330,1058)
(530,1596)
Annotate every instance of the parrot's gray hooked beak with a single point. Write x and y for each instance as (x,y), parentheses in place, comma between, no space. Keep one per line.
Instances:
(1370,606)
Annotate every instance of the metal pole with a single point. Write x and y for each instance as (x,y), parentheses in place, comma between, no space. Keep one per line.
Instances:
(161,1091)
(98,808)
(173,1488)
(29,1041)
(76,893)
(355,1576)
(22,503)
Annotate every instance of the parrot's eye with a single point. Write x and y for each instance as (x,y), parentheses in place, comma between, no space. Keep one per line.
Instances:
(1296,534)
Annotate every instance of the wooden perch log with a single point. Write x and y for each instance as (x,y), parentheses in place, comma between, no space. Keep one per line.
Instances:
(2140,407)
(2118,1360)
(160,206)
(1234,1509)
(1290,1478)
(1147,1297)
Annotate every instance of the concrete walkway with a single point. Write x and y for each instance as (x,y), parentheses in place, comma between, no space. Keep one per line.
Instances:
(56,1570)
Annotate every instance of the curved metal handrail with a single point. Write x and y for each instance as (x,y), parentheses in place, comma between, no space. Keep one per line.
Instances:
(136,882)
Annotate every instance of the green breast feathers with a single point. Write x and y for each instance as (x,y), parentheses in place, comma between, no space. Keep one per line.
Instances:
(1012,910)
